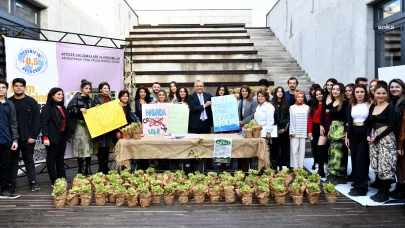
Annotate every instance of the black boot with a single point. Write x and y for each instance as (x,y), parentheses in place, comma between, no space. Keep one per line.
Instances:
(273,164)
(80,163)
(376,183)
(321,171)
(383,190)
(399,191)
(87,171)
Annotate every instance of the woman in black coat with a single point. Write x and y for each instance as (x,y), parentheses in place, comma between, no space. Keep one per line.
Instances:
(55,132)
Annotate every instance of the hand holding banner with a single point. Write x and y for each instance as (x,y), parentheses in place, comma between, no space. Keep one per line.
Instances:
(155,119)
(225,113)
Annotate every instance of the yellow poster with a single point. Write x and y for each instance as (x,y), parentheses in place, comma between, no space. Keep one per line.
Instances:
(105,118)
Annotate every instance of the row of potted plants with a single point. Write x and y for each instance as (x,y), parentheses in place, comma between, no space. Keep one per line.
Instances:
(148,187)
(252,130)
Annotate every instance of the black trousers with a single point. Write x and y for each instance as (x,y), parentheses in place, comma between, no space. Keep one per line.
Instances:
(5,165)
(55,160)
(323,154)
(27,152)
(360,158)
(103,154)
(314,143)
(280,149)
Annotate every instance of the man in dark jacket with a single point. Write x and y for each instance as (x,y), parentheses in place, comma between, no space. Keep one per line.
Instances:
(8,141)
(29,127)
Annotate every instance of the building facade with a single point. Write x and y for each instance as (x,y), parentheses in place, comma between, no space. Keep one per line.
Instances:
(343,39)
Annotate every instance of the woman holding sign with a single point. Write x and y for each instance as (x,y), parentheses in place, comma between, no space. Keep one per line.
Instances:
(56,132)
(82,141)
(264,116)
(103,141)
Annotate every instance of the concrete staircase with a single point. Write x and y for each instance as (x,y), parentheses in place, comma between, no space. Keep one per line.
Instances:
(219,53)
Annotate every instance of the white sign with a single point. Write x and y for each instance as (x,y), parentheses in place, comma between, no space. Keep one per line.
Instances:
(389,73)
(222,150)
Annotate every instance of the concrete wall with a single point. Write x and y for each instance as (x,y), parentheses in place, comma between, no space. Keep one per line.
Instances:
(328,38)
(109,18)
(209,16)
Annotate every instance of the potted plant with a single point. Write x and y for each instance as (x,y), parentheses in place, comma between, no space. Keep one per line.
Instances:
(279,191)
(100,195)
(85,195)
(120,196)
(132,197)
(77,180)
(136,132)
(313,192)
(256,129)
(183,191)
(59,196)
(127,132)
(246,193)
(112,191)
(229,193)
(296,193)
(157,192)
(330,192)
(214,194)
(145,195)
(263,193)
(60,182)
(300,172)
(247,131)
(269,172)
(314,178)
(169,193)
(199,191)
(73,196)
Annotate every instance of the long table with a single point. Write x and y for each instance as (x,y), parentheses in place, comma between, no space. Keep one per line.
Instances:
(159,147)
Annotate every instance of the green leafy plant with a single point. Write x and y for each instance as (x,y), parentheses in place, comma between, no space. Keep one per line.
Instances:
(313,187)
(74,190)
(263,186)
(198,187)
(112,172)
(239,184)
(246,126)
(314,178)
(279,187)
(269,171)
(98,180)
(156,182)
(300,179)
(296,186)
(84,182)
(301,172)
(179,174)
(212,174)
(157,190)
(59,190)
(85,189)
(253,123)
(125,174)
(101,188)
(253,172)
(245,189)
(329,188)
(183,187)
(150,171)
(60,181)
(80,176)
(143,188)
(169,189)
(121,189)
(139,172)
(131,191)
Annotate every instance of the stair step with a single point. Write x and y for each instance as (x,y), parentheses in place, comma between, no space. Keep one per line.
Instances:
(171,36)
(187,32)
(199,61)
(195,52)
(213,40)
(208,72)
(191,26)
(194,56)
(186,38)
(193,49)
(216,66)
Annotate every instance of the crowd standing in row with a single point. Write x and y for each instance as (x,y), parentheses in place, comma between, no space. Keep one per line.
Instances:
(337,118)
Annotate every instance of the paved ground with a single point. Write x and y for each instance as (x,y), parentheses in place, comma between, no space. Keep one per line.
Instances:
(35,209)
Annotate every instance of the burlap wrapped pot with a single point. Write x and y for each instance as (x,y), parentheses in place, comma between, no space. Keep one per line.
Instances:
(101,199)
(72,199)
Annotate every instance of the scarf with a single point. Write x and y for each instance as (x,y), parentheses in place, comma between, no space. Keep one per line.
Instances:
(296,96)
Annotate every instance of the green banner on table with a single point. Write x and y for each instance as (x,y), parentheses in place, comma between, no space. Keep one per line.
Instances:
(222,150)
(178,118)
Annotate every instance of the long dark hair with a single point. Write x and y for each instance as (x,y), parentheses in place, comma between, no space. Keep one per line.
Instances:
(315,101)
(402,96)
(326,93)
(171,94)
(313,87)
(178,94)
(225,88)
(138,96)
(353,99)
(53,91)
(283,103)
(249,97)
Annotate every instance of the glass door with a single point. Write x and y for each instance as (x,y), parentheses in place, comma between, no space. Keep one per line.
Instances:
(390,48)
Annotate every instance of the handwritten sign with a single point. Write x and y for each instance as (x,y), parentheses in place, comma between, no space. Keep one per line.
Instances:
(178,118)
(155,119)
(105,118)
(225,113)
(222,150)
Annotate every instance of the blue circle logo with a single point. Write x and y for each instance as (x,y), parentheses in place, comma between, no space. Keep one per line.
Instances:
(31,61)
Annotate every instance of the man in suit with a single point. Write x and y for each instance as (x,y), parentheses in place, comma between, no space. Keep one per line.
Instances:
(200,119)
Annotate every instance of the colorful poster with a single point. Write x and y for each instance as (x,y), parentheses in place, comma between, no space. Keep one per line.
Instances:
(222,150)
(105,118)
(225,113)
(45,65)
(155,119)
(178,118)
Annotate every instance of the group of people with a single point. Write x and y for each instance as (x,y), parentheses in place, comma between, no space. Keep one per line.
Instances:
(337,118)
